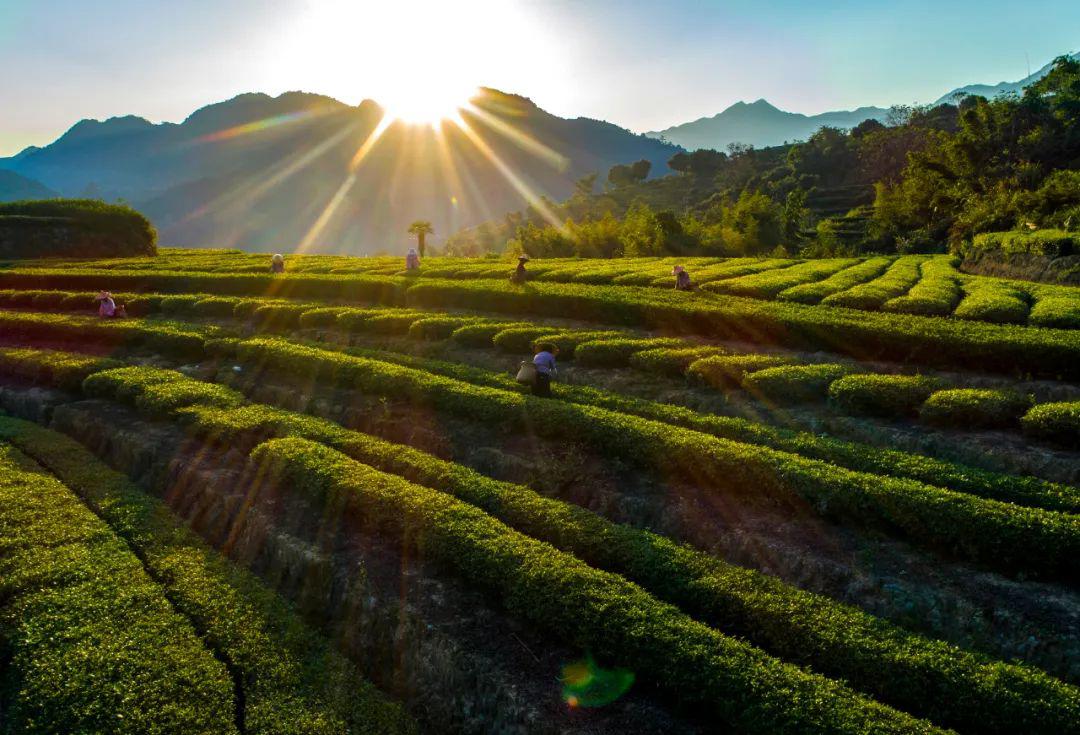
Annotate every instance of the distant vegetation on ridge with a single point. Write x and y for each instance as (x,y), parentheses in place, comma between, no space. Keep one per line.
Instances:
(934,177)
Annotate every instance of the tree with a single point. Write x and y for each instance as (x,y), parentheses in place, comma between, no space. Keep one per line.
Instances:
(758,221)
(794,217)
(421,228)
(866,127)
(640,169)
(702,162)
(584,186)
(623,175)
(642,233)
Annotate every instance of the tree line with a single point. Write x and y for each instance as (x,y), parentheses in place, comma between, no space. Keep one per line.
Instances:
(924,180)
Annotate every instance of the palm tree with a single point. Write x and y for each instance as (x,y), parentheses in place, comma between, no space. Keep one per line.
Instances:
(421,228)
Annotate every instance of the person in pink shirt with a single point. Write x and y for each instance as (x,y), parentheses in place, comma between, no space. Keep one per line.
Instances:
(682,279)
(106,305)
(108,308)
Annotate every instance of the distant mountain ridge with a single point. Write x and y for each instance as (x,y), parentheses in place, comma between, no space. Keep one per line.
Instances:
(14,187)
(993,90)
(761,124)
(263,172)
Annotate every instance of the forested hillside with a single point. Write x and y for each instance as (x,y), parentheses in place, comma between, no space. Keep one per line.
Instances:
(929,180)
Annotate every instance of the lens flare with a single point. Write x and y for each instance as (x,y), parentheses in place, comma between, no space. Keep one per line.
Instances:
(586,684)
(256,126)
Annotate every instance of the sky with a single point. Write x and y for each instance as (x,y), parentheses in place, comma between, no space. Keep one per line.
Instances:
(642,65)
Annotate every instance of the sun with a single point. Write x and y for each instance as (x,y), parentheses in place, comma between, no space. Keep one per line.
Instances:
(421,60)
(425,101)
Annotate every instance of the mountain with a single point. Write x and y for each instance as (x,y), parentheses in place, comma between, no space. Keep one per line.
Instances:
(993,90)
(24,152)
(14,187)
(261,172)
(759,124)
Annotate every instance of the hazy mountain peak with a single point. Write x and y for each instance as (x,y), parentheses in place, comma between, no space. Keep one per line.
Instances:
(498,101)
(252,106)
(14,187)
(88,129)
(217,179)
(25,152)
(759,123)
(993,90)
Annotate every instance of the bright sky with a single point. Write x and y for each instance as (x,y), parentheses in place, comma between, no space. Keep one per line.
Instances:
(641,64)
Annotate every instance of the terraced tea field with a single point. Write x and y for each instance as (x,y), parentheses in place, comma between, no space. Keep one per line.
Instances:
(831,496)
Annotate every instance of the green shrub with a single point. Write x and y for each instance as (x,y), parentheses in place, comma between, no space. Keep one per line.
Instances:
(974,408)
(568,342)
(48,300)
(812,293)
(157,392)
(321,287)
(1055,422)
(183,304)
(1044,243)
(74,228)
(672,361)
(768,284)
(321,318)
(895,281)
(936,293)
(220,307)
(63,370)
(913,339)
(997,486)
(481,335)
(293,682)
(788,622)
(793,383)
(739,684)
(1028,538)
(279,317)
(1058,312)
(635,279)
(990,300)
(1023,490)
(929,678)
(377,321)
(143,305)
(74,301)
(160,337)
(390,322)
(730,268)
(520,340)
(882,395)
(727,371)
(612,353)
(245,307)
(352,320)
(438,327)
(91,642)
(19,299)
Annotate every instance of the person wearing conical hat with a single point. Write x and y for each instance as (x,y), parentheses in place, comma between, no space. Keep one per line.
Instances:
(682,279)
